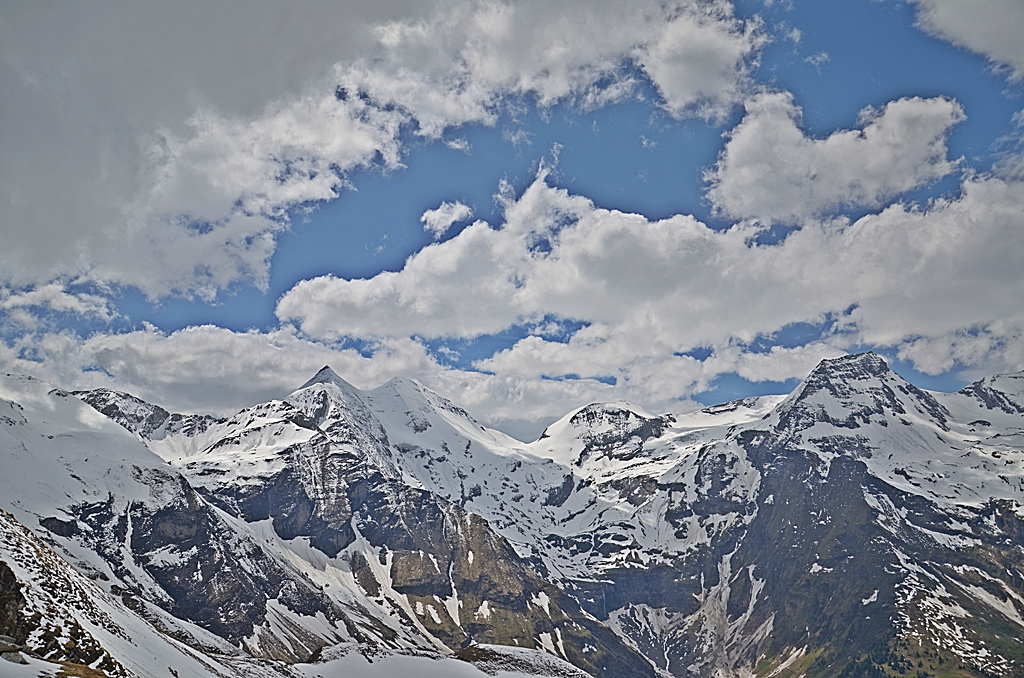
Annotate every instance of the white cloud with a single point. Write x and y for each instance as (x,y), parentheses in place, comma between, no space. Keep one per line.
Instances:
(995,347)
(769,169)
(455,67)
(653,290)
(777,364)
(208,368)
(818,60)
(166,156)
(698,62)
(438,221)
(460,144)
(216,198)
(990,27)
(104,106)
(55,297)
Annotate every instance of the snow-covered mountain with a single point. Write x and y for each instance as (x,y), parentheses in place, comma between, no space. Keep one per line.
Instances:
(858,526)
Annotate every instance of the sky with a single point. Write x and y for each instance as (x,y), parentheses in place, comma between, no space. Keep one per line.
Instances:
(526,206)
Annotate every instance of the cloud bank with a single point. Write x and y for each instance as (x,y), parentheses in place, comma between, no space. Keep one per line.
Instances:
(177,162)
(651,291)
(938,285)
(178,159)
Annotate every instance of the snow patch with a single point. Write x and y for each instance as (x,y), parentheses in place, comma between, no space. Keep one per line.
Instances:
(541,599)
(546,643)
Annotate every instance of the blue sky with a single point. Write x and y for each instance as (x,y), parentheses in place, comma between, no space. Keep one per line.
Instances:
(670,205)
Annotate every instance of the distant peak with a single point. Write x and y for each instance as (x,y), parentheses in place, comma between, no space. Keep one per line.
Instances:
(853,365)
(847,391)
(1000,392)
(615,409)
(843,373)
(400,387)
(327,376)
(396,382)
(620,416)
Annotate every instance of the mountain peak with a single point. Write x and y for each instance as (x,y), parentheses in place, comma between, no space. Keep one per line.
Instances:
(846,391)
(327,376)
(852,366)
(1003,392)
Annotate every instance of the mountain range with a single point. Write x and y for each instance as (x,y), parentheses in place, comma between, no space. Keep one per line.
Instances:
(859,526)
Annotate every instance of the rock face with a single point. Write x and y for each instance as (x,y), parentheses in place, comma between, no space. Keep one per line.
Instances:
(13,619)
(858,526)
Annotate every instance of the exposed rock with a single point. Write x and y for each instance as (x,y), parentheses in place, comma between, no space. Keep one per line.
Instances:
(63,528)
(14,627)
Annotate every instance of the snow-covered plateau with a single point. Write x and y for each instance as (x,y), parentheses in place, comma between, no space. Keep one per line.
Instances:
(858,526)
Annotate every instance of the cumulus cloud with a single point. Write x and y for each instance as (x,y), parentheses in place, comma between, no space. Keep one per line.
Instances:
(650,291)
(55,297)
(455,67)
(116,167)
(698,61)
(995,347)
(167,156)
(214,370)
(216,198)
(778,364)
(769,169)
(207,368)
(438,221)
(990,27)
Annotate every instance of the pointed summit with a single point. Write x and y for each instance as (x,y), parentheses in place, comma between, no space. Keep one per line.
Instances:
(846,392)
(328,376)
(842,379)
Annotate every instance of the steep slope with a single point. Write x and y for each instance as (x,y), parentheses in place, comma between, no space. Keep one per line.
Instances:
(63,616)
(384,517)
(132,523)
(857,529)
(65,624)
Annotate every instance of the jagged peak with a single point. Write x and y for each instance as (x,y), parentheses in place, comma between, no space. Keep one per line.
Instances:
(732,405)
(999,392)
(109,395)
(839,377)
(852,365)
(856,385)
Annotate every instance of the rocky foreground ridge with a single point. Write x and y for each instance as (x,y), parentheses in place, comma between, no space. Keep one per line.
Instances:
(858,527)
